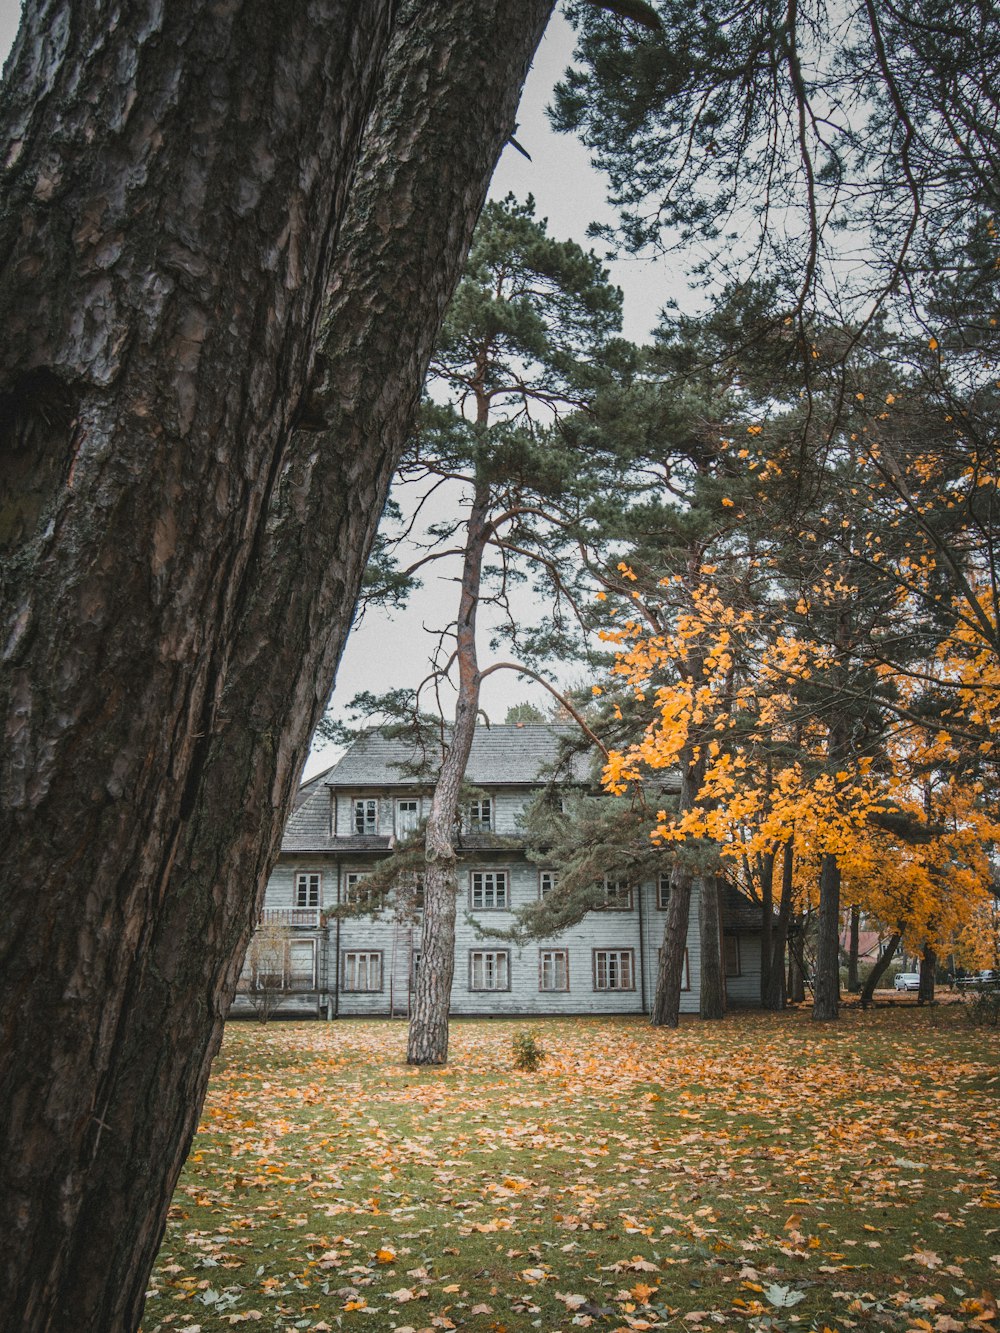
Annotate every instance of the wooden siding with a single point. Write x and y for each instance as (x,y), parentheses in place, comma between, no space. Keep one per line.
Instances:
(638,929)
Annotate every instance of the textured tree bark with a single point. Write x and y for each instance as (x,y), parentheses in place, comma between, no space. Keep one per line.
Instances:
(670,974)
(854,945)
(775,996)
(427,1042)
(796,980)
(712,997)
(928,969)
(826,985)
(185,512)
(766,925)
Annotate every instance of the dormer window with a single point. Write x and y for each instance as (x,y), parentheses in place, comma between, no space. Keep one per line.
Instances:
(366,816)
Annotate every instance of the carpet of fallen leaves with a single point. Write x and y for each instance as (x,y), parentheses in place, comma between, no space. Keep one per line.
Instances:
(760,1173)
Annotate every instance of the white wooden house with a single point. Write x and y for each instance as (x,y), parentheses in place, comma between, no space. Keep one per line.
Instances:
(354,815)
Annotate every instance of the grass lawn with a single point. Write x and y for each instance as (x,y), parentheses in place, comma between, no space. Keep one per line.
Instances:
(760,1173)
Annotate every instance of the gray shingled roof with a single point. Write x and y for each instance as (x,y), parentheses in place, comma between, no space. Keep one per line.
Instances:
(509,754)
(308,828)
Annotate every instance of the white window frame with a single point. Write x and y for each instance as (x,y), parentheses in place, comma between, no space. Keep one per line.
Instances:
(403,827)
(663,892)
(480,815)
(614,899)
(300,946)
(365,816)
(494,969)
(547,881)
(489,895)
(308,888)
(550,963)
(610,966)
(363,964)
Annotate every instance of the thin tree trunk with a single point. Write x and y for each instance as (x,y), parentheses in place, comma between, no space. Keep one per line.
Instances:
(766,924)
(879,967)
(796,971)
(670,974)
(428,1035)
(928,969)
(826,986)
(853,983)
(713,981)
(180,563)
(774,998)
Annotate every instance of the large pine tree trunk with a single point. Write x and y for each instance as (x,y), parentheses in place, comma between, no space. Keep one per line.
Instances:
(428,1035)
(180,562)
(712,997)
(826,986)
(670,973)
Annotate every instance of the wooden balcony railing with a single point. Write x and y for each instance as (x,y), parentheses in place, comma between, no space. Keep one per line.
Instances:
(307,917)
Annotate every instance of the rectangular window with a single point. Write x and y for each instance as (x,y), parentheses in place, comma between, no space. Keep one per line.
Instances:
(407,817)
(414,965)
(685,975)
(489,969)
(617,895)
(553,969)
(481,815)
(307,889)
(663,892)
(302,964)
(357,891)
(488,889)
(613,969)
(366,816)
(362,972)
(547,881)
(731,955)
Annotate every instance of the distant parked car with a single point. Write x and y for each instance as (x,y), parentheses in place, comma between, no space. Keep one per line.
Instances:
(907,981)
(987,979)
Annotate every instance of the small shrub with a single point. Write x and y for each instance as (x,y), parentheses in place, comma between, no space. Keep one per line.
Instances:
(984,1009)
(528,1053)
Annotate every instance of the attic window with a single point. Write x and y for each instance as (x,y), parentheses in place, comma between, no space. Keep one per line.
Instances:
(366,817)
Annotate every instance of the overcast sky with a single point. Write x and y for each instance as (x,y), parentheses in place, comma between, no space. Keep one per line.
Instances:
(382,653)
(388,653)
